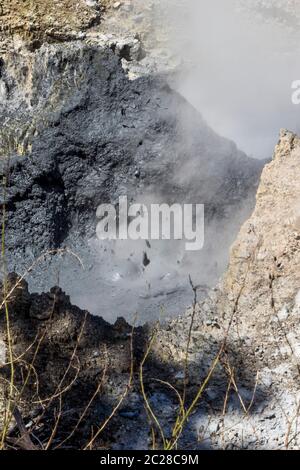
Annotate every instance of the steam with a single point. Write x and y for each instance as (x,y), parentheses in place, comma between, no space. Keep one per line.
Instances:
(239,59)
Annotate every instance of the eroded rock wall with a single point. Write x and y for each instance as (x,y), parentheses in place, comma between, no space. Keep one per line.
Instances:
(255,310)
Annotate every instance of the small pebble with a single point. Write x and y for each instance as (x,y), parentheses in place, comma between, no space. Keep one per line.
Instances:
(117,5)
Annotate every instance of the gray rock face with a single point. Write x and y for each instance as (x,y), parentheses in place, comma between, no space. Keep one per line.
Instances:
(77,133)
(89,135)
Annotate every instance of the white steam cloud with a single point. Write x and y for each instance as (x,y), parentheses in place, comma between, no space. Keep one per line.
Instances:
(239,59)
